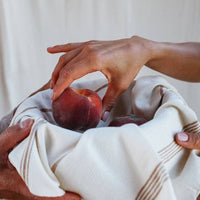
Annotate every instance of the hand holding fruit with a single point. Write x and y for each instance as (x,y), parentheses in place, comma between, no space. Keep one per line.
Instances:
(118,60)
(77,109)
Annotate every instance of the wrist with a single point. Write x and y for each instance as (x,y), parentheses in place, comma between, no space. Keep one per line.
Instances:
(158,52)
(148,49)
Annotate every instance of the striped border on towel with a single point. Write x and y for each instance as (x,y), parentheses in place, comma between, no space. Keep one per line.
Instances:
(25,162)
(192,128)
(159,176)
(168,152)
(31,108)
(154,184)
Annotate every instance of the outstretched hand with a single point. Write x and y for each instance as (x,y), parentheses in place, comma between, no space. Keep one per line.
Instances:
(11,184)
(118,60)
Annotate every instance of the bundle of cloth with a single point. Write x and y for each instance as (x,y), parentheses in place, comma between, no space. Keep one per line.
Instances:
(128,162)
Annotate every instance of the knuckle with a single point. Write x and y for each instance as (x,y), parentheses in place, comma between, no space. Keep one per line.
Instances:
(88,47)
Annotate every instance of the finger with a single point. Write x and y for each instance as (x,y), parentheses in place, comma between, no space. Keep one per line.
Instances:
(70,73)
(188,140)
(64,47)
(15,134)
(109,100)
(64,59)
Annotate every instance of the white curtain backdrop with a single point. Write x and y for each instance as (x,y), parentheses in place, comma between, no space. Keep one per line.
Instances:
(28,27)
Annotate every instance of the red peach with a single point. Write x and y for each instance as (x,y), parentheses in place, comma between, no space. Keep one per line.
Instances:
(77,109)
(119,121)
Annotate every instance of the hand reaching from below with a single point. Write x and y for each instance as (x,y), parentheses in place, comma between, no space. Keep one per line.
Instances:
(11,184)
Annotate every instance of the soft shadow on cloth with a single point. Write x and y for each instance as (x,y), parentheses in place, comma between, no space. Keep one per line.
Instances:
(128,162)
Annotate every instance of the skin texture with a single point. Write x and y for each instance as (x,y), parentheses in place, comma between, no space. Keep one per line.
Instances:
(120,61)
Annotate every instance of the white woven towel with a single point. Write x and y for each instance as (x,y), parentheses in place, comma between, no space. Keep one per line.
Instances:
(112,163)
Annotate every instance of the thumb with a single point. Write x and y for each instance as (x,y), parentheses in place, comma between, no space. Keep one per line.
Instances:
(108,101)
(188,140)
(15,134)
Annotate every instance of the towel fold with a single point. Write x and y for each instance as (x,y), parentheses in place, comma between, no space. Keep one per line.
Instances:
(105,163)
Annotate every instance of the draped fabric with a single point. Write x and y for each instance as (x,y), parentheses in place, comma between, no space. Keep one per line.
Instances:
(28,27)
(103,163)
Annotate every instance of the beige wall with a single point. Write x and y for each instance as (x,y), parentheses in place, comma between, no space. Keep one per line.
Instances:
(28,27)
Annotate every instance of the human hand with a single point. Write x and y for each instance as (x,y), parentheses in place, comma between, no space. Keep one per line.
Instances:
(118,60)
(188,140)
(11,184)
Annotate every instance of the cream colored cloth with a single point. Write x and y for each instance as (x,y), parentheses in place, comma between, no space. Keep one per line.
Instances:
(112,163)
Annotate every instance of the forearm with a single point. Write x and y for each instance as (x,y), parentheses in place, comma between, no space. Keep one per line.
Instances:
(181,61)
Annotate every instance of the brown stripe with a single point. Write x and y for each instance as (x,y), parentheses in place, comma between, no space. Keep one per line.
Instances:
(102,87)
(157,180)
(159,189)
(22,163)
(178,150)
(45,110)
(171,150)
(194,125)
(27,155)
(192,130)
(31,147)
(165,149)
(185,128)
(143,189)
(191,124)
(175,150)
(158,184)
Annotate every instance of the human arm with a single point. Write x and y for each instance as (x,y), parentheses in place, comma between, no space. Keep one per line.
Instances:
(11,184)
(178,60)
(121,60)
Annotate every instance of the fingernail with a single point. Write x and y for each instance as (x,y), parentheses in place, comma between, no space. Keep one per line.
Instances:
(182,137)
(26,123)
(105,116)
